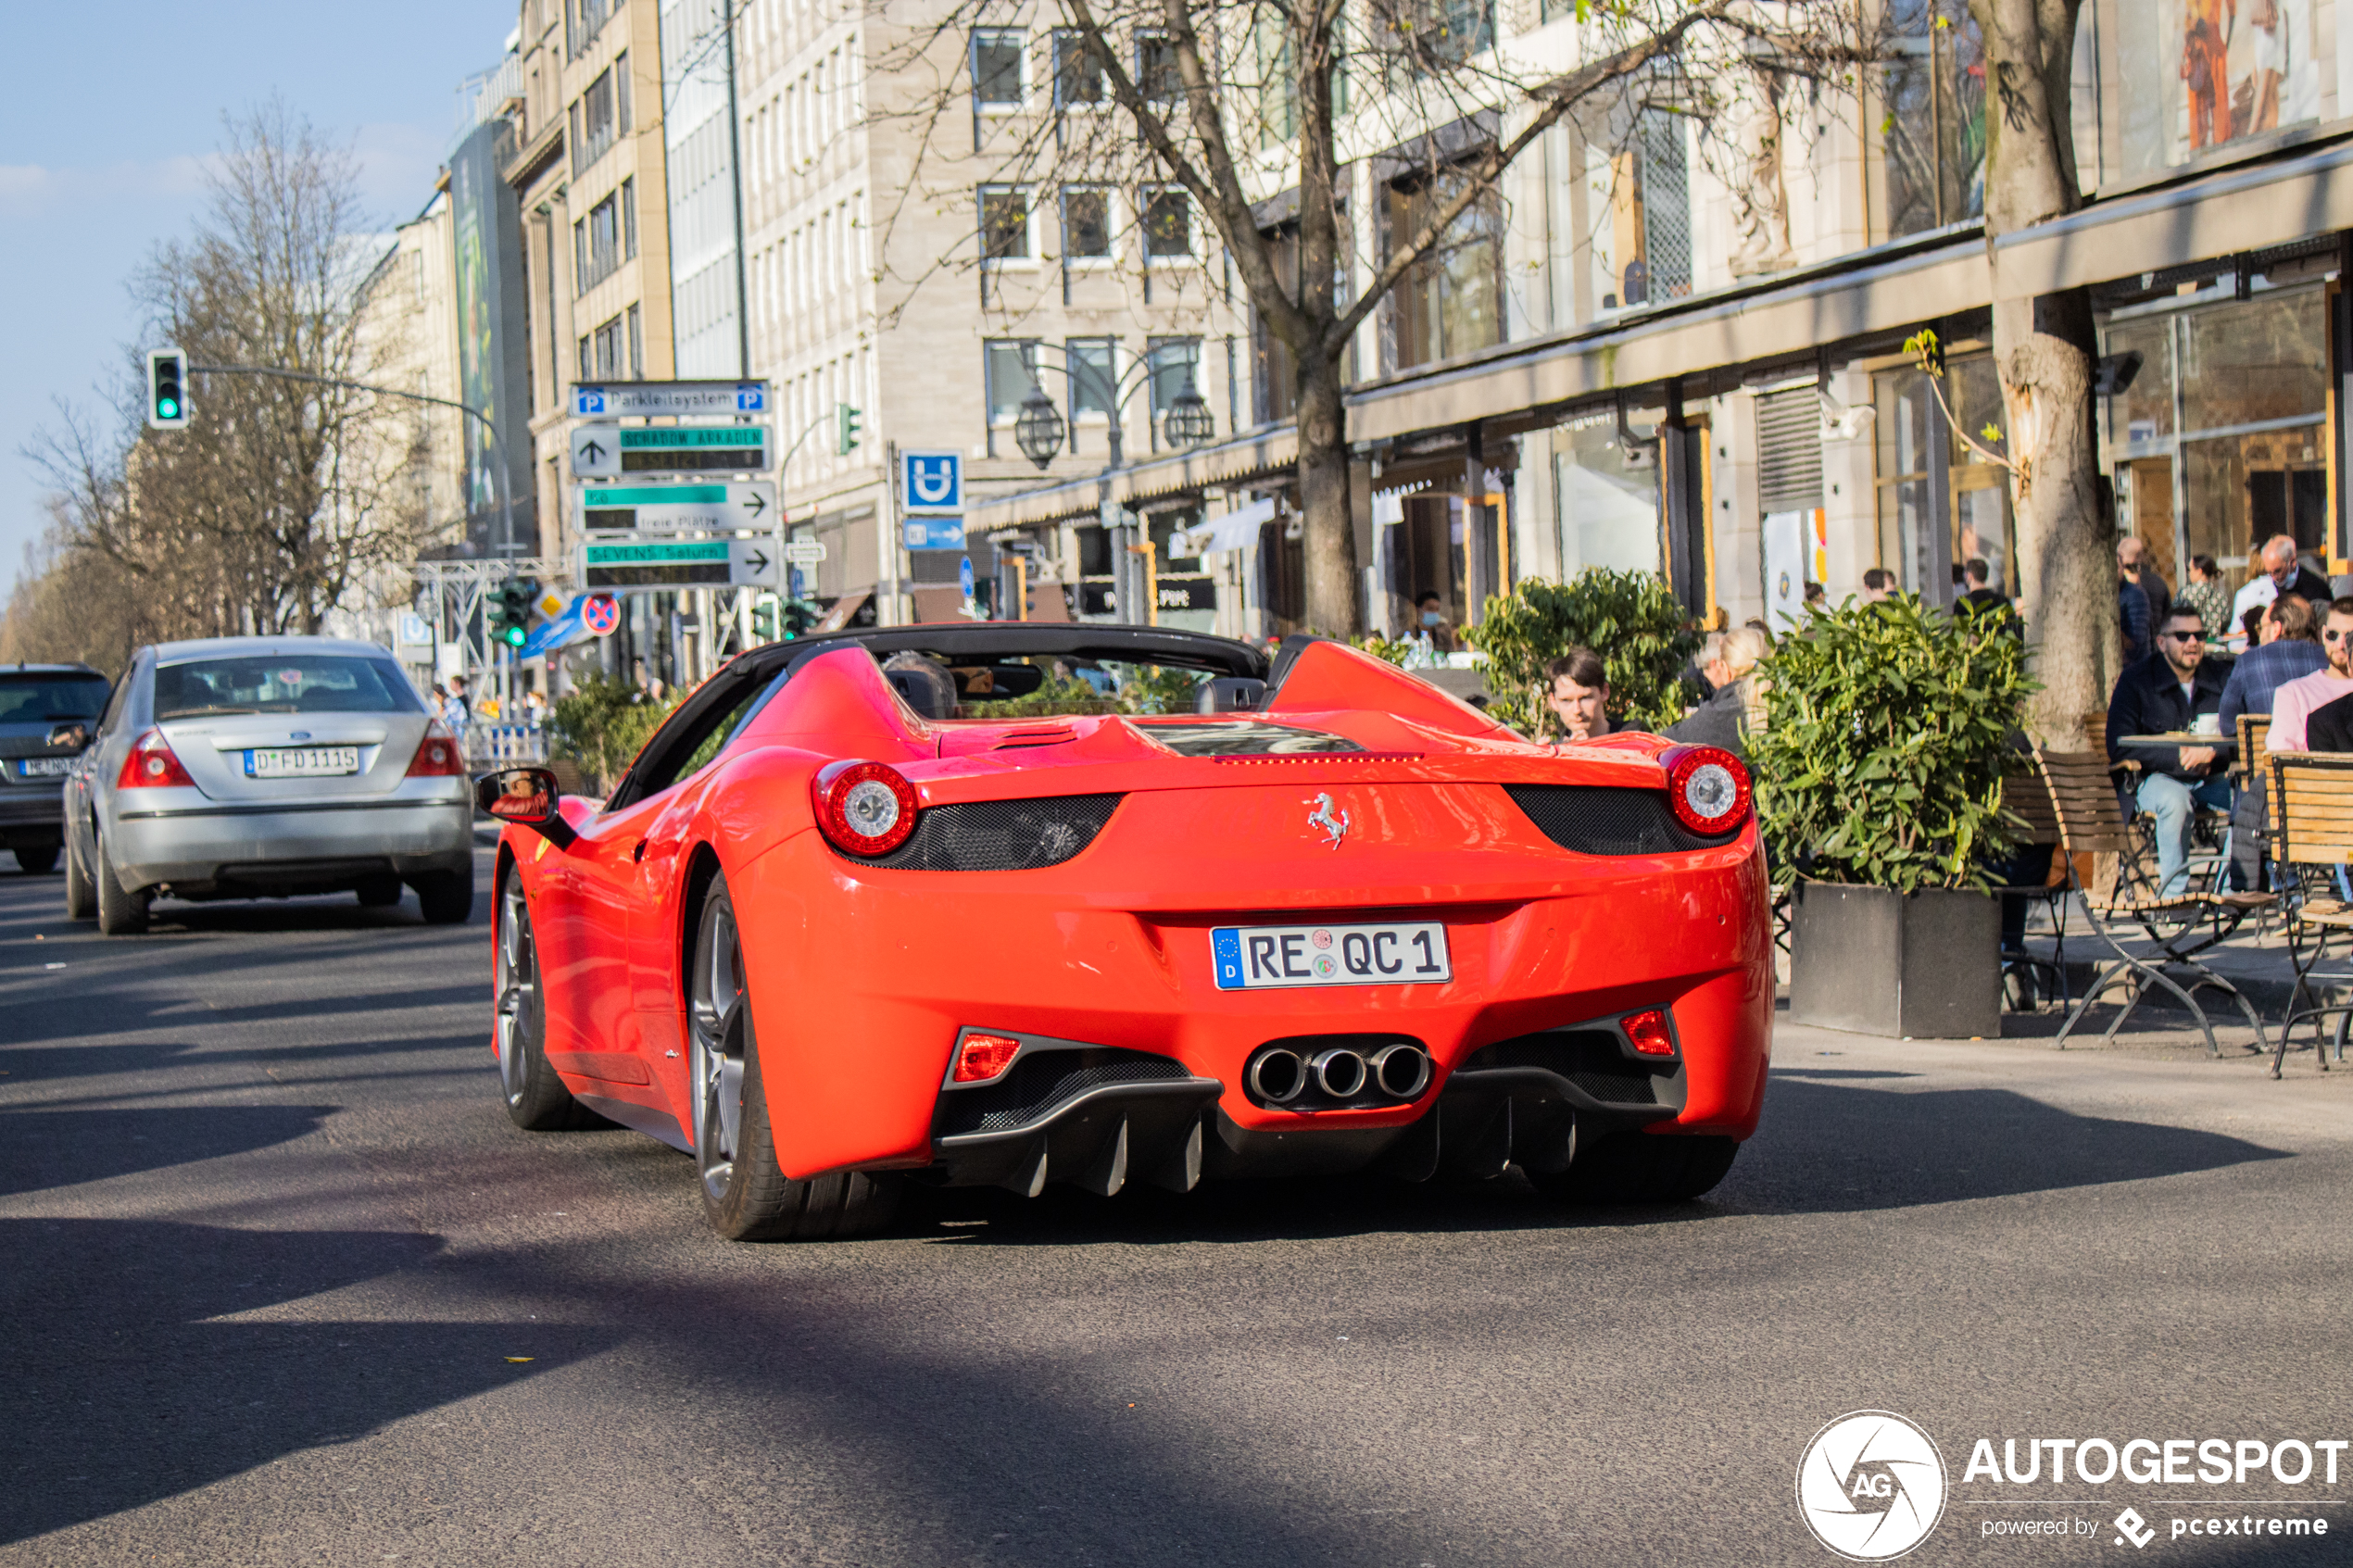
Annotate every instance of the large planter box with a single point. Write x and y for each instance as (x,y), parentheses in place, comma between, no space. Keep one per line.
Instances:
(1925,965)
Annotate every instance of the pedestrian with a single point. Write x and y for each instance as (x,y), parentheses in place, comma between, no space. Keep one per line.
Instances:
(2132,559)
(1987,602)
(2294,703)
(1578,696)
(1879,584)
(456,710)
(2205,594)
(2289,648)
(1816,596)
(1430,622)
(2133,621)
(2280,572)
(2165,693)
(1724,719)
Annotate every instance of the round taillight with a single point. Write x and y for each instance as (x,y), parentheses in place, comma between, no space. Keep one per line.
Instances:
(157,766)
(866,808)
(1707,787)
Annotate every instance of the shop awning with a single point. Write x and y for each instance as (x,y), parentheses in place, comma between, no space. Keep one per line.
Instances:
(1237,530)
(1253,454)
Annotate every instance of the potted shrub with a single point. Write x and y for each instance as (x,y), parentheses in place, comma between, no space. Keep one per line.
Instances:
(1632,619)
(1879,784)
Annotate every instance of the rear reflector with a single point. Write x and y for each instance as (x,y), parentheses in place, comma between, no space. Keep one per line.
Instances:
(1647,1029)
(982,1057)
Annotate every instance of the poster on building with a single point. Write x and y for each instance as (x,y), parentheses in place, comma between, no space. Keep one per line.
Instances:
(1796,553)
(487,230)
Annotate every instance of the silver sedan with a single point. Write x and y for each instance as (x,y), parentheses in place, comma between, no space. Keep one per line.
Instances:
(261,768)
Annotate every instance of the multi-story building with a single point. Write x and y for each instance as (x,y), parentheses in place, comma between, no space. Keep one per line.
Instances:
(1676,346)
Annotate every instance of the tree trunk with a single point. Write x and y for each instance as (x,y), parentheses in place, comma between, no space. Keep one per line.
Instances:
(1335,600)
(2044,352)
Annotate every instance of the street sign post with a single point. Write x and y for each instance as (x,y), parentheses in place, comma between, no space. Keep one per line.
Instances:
(667,508)
(932,482)
(805,552)
(604,451)
(601,613)
(653,398)
(613,566)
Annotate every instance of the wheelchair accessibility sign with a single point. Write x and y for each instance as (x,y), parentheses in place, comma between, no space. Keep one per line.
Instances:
(932,482)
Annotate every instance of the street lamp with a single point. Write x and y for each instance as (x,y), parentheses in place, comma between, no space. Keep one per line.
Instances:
(1188,421)
(1039,429)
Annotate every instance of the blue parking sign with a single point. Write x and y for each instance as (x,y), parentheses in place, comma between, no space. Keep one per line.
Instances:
(932,482)
(588,400)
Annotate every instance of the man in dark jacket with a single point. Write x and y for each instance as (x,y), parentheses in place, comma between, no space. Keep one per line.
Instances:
(2164,694)
(2132,565)
(2132,622)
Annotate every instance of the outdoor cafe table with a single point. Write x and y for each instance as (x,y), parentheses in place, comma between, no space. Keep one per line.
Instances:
(2224,743)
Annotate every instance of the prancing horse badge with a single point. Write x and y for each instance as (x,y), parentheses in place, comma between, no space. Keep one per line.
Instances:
(1322,817)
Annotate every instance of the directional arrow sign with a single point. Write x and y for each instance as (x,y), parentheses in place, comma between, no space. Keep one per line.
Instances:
(596,451)
(609,452)
(679,563)
(664,508)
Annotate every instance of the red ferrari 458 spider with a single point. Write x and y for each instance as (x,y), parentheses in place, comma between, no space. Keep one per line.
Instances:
(929,904)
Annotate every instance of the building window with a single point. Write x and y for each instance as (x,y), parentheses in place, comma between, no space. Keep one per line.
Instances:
(1087,222)
(1008,366)
(610,347)
(584,19)
(1156,74)
(1447,303)
(2173,83)
(999,64)
(599,239)
(1004,224)
(1168,224)
(1079,71)
(1176,368)
(1435,35)
(1932,484)
(587,358)
(1278,54)
(1093,377)
(1604,498)
(1932,143)
(636,347)
(595,120)
(1651,202)
(629,219)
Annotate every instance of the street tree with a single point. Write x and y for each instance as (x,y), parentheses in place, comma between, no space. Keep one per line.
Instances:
(1257,115)
(2046,354)
(282,498)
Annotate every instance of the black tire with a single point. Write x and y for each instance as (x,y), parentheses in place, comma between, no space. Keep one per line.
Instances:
(37,863)
(536,1100)
(746,1195)
(383,892)
(1640,1168)
(120,914)
(82,894)
(447,898)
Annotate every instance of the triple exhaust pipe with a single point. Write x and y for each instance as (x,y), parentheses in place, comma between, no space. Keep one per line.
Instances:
(1278,1075)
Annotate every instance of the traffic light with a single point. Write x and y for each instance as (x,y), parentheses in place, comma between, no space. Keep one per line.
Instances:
(167,389)
(800,618)
(763,620)
(515,595)
(845,439)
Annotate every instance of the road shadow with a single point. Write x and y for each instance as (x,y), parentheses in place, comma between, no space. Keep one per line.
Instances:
(122,1394)
(40,1149)
(1832,1147)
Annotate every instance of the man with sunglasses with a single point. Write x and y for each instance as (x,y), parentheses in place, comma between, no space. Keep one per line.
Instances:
(2164,694)
(2293,706)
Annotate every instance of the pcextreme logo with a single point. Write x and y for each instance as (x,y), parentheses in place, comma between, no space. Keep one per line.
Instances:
(1870,1485)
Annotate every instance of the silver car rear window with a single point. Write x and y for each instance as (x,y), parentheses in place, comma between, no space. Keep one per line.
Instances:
(295,683)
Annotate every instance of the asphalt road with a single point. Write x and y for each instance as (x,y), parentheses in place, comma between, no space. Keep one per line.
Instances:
(281,1284)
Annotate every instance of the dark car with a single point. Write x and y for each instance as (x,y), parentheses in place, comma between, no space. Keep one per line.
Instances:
(47,714)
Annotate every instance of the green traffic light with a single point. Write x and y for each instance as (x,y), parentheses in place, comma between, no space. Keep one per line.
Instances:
(167,408)
(516,637)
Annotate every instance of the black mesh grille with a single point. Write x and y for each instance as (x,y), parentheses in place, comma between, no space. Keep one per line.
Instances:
(1001,836)
(1041,1081)
(1606,819)
(1587,1057)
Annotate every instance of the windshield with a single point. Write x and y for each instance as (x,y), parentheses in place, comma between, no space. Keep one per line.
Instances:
(28,698)
(283,684)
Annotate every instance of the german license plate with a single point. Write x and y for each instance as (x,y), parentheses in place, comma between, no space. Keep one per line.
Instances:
(302,762)
(1263,958)
(43,767)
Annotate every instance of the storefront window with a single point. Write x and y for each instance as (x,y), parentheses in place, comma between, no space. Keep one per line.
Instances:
(1606,499)
(1933,134)
(2233,449)
(2178,78)
(1921,463)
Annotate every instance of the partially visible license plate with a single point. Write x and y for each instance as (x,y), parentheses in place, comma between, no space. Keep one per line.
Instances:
(302,762)
(43,767)
(1262,958)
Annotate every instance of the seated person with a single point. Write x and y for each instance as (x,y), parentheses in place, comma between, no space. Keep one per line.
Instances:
(1429,621)
(2162,693)
(1579,696)
(2290,647)
(2298,706)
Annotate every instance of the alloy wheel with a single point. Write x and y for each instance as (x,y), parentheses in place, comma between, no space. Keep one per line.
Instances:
(518,989)
(717,1019)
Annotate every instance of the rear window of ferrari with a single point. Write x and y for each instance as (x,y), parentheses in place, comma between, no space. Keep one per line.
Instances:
(298,683)
(1244,737)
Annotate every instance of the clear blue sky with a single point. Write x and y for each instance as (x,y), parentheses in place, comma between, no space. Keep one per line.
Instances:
(108,117)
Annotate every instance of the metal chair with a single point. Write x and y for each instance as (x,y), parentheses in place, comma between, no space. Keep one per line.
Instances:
(2311,802)
(2027,798)
(2123,893)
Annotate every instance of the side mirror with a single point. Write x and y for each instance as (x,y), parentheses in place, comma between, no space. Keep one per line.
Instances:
(525,796)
